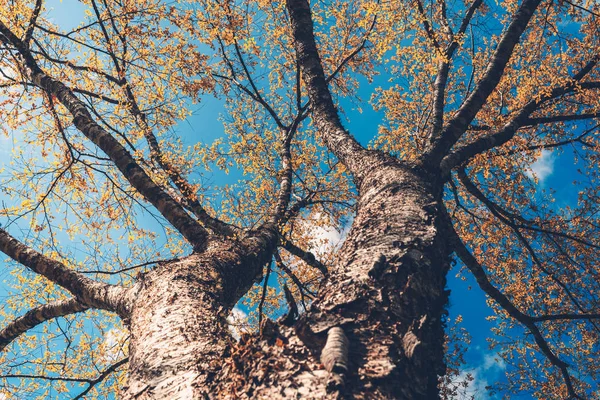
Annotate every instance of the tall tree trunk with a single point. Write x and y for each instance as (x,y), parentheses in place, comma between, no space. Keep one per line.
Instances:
(376,329)
(178,333)
(179,336)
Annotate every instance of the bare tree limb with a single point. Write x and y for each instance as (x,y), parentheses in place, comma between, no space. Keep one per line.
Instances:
(561,118)
(427,25)
(353,54)
(103,375)
(555,317)
(263,296)
(301,287)
(292,314)
(305,256)
(497,212)
(91,382)
(255,90)
(465,23)
(285,181)
(577,139)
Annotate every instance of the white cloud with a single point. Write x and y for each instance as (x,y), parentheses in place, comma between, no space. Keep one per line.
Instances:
(237,322)
(324,238)
(543,167)
(8,73)
(493,362)
(476,386)
(327,238)
(114,345)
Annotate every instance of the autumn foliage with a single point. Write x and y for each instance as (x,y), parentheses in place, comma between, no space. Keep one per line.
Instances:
(111,165)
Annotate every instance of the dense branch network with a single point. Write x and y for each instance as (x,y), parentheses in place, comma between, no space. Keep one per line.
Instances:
(458,130)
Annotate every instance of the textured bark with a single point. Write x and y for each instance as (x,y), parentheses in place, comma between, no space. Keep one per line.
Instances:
(375,330)
(178,332)
(324,112)
(386,293)
(179,335)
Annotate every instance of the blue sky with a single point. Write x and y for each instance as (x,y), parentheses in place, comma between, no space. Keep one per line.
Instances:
(551,169)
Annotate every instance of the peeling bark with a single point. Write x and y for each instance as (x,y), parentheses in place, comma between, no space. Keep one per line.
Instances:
(374,332)
(386,294)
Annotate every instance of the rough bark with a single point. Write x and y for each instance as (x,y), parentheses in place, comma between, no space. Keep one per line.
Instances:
(179,335)
(387,295)
(324,113)
(375,331)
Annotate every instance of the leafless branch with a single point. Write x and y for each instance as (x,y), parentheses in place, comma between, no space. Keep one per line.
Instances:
(101,377)
(305,256)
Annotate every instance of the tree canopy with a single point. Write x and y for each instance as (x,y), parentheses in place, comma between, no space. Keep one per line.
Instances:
(104,180)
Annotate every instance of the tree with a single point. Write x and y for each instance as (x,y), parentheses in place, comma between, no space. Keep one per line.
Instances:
(479,90)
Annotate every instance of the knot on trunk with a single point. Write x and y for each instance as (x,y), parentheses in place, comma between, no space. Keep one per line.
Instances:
(335,353)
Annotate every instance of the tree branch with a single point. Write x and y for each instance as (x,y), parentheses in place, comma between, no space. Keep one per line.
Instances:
(325,116)
(496,211)
(577,139)
(87,291)
(32,21)
(258,97)
(427,26)
(561,118)
(301,287)
(441,80)
(491,77)
(36,316)
(191,230)
(353,54)
(103,375)
(498,138)
(189,200)
(285,182)
(263,296)
(305,256)
(555,317)
(482,280)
